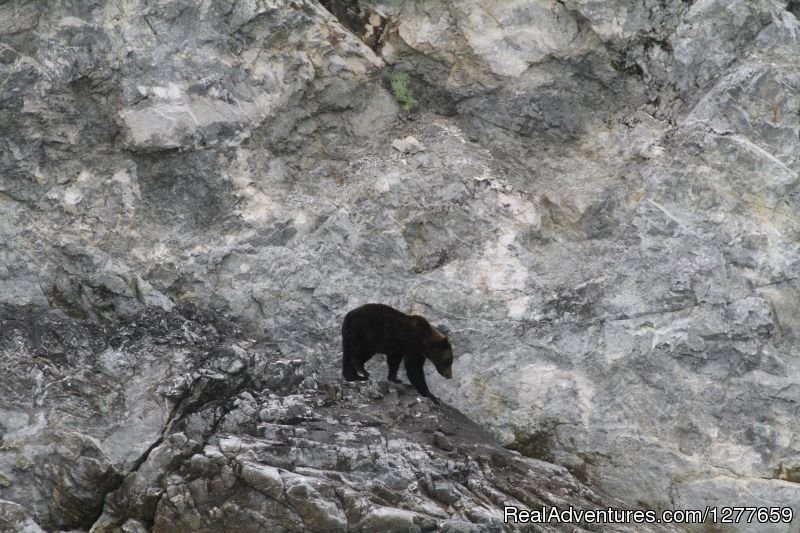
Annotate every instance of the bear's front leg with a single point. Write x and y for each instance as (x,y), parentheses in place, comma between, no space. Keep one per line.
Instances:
(394,365)
(416,375)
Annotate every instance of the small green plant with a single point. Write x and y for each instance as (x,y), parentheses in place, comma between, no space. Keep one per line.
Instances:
(402,94)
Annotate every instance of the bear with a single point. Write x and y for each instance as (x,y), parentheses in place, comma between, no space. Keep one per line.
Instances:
(378,328)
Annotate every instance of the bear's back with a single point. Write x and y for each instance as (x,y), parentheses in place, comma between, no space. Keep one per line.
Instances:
(380,327)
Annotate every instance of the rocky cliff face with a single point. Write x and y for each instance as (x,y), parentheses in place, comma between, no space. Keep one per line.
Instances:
(602,215)
(177,421)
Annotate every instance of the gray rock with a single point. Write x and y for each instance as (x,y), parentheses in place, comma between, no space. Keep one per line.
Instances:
(409,145)
(603,221)
(234,450)
(15,517)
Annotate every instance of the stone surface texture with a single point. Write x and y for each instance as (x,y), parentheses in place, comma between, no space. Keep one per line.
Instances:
(596,200)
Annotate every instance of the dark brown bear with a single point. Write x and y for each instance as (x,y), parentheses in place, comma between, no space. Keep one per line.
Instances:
(377,328)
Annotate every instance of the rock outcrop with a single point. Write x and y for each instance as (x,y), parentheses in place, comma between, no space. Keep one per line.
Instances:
(598,205)
(176,421)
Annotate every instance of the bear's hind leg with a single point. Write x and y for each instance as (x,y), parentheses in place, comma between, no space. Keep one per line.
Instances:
(353,366)
(350,367)
(349,373)
(353,358)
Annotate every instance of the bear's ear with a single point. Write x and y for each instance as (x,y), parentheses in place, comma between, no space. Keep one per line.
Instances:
(436,334)
(418,322)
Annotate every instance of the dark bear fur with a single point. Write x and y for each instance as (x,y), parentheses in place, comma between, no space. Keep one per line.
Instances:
(378,328)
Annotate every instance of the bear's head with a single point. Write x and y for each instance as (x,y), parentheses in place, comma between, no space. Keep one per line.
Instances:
(440,353)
